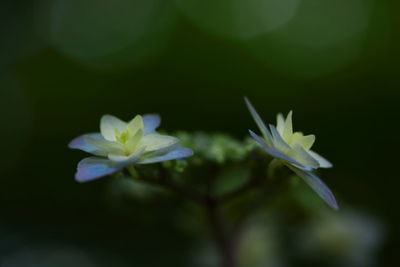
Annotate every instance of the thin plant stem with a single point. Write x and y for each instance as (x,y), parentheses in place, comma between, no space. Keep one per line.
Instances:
(212,205)
(253,183)
(163,181)
(223,241)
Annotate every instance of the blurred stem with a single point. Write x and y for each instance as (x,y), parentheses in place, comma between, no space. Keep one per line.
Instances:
(218,226)
(132,171)
(224,243)
(186,191)
(210,203)
(254,182)
(225,239)
(272,166)
(166,183)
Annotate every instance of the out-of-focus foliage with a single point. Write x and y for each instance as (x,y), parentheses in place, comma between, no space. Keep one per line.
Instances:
(218,148)
(347,239)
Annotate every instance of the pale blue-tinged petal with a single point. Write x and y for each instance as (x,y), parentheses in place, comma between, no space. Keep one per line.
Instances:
(277,154)
(157,141)
(151,122)
(299,154)
(126,159)
(104,147)
(95,144)
(277,139)
(288,129)
(135,125)
(108,126)
(93,168)
(323,163)
(260,123)
(280,123)
(318,186)
(268,137)
(177,152)
(81,143)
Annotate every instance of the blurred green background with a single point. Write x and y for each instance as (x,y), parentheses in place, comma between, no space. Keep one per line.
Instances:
(64,63)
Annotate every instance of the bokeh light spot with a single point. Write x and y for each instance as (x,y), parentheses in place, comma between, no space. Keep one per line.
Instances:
(236,19)
(321,38)
(109,34)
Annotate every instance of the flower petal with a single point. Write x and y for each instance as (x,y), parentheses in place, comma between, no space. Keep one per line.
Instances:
(305,141)
(151,122)
(93,168)
(318,186)
(323,163)
(299,154)
(105,147)
(277,139)
(108,124)
(81,142)
(135,125)
(133,142)
(288,129)
(126,159)
(176,152)
(157,141)
(277,154)
(280,123)
(261,125)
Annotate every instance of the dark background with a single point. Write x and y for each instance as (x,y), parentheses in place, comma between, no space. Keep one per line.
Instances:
(63,64)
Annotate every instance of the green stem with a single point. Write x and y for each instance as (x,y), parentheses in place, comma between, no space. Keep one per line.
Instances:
(132,171)
(272,166)
(223,241)
(254,182)
(166,183)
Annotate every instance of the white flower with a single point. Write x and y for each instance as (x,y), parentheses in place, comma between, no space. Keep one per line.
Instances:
(120,144)
(293,150)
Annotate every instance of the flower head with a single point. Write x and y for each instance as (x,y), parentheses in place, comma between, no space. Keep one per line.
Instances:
(293,150)
(120,144)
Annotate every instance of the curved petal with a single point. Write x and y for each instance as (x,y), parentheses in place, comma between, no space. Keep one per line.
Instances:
(280,123)
(177,152)
(318,186)
(126,159)
(108,124)
(156,141)
(277,154)
(105,147)
(133,142)
(261,125)
(299,154)
(82,143)
(288,129)
(323,163)
(94,168)
(151,122)
(277,139)
(306,141)
(135,125)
